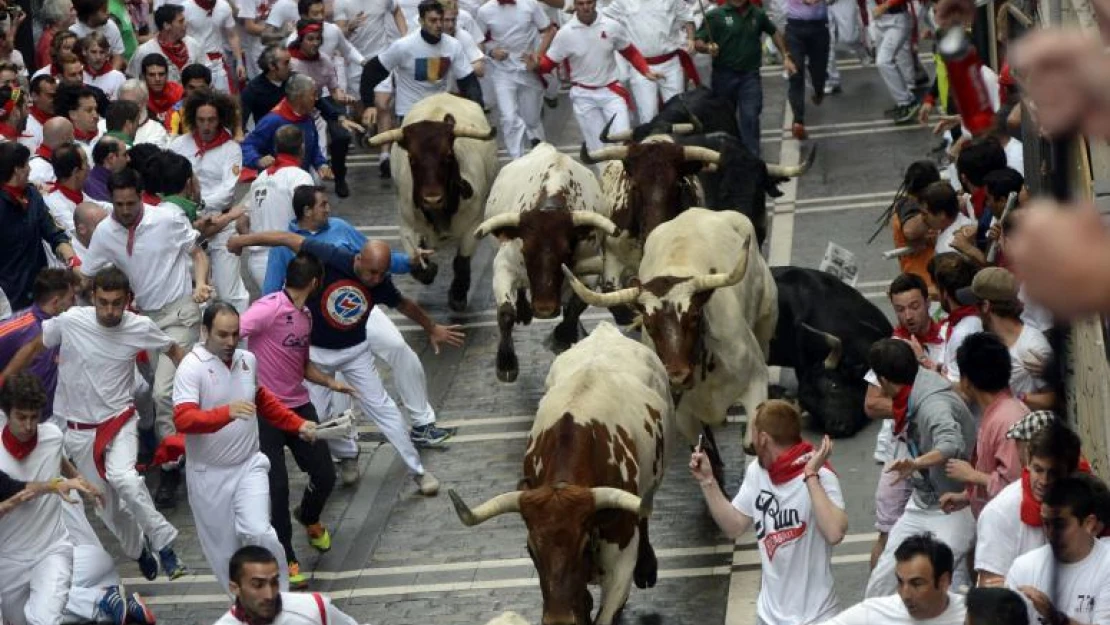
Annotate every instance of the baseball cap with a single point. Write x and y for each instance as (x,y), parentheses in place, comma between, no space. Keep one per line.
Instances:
(991,284)
(1030,424)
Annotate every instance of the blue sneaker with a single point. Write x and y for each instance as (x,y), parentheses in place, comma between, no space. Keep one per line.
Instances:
(430,435)
(113,606)
(171,566)
(137,612)
(147,564)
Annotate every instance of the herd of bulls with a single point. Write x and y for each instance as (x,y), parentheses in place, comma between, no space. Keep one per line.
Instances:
(714,315)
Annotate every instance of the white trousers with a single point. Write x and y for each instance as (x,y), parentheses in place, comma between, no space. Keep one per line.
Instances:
(957,530)
(231,508)
(647,94)
(593,108)
(256,264)
(220,78)
(228,278)
(893,56)
(34,592)
(93,568)
(845,33)
(357,366)
(519,97)
(128,510)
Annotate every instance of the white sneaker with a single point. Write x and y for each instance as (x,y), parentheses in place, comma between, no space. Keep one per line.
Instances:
(427,483)
(348,471)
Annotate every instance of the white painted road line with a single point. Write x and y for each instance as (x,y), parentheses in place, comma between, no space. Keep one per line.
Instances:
(834,208)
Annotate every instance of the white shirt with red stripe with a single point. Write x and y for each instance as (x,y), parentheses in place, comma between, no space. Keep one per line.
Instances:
(96,364)
(35,528)
(657,27)
(514,27)
(589,50)
(300,608)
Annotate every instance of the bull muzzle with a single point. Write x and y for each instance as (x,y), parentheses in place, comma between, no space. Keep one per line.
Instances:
(681,376)
(433,201)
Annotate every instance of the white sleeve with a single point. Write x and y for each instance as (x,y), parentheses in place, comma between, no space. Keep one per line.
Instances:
(336,616)
(96,258)
(460,62)
(186,385)
(831,483)
(223,194)
(391,57)
(621,38)
(150,337)
(115,39)
(744,501)
(556,51)
(229,19)
(348,51)
(1017,576)
(996,543)
(539,18)
(871,378)
(52,331)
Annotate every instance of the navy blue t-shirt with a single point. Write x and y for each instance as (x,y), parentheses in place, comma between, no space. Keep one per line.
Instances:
(340,308)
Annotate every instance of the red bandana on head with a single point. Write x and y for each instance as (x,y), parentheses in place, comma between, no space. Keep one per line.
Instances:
(202,146)
(932,336)
(901,408)
(282,161)
(791,463)
(958,315)
(17,449)
(295,47)
(73,196)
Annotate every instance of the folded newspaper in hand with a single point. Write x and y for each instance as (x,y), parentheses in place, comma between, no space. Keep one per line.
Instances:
(340,427)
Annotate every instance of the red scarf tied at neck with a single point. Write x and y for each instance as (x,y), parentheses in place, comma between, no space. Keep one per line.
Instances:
(1030,506)
(19,194)
(958,315)
(153,200)
(900,406)
(85,135)
(40,115)
(44,151)
(177,53)
(285,111)
(282,161)
(17,449)
(161,103)
(203,146)
(75,196)
(131,229)
(207,5)
(932,336)
(791,463)
(96,73)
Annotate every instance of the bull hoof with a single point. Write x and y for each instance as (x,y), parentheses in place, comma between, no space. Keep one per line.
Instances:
(425,274)
(562,337)
(523,308)
(507,366)
(647,569)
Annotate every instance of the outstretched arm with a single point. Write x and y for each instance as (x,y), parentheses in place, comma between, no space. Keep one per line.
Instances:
(274,238)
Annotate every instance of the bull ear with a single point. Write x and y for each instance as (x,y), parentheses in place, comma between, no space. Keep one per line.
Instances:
(465,190)
(449,119)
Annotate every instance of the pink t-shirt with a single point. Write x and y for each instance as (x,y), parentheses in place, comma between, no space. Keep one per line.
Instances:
(996,455)
(277,333)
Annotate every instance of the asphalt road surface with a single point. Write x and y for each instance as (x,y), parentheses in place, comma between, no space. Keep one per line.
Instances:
(402,559)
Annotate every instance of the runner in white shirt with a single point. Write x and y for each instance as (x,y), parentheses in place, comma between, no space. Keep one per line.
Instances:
(258,599)
(793,499)
(57,131)
(952,272)
(452,25)
(421,63)
(217,161)
(72,168)
(92,16)
(283,15)
(40,111)
(212,24)
(251,16)
(216,400)
(150,130)
(663,31)
(271,195)
(94,401)
(924,569)
(78,104)
(1010,525)
(588,43)
(99,71)
(1067,581)
(154,248)
(172,42)
(514,30)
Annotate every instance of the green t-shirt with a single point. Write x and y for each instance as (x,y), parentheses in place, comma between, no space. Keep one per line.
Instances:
(186,205)
(119,10)
(738,34)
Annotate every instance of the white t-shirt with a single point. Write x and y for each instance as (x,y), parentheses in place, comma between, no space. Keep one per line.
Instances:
(891,611)
(1033,315)
(203,379)
(374,34)
(209,28)
(42,171)
(108,29)
(283,12)
(1015,156)
(944,239)
(965,328)
(797,560)
(217,172)
(300,608)
(590,50)
(35,528)
(513,27)
(192,46)
(1080,590)
(1000,535)
(96,365)
(109,83)
(1032,347)
(655,26)
(271,200)
(420,69)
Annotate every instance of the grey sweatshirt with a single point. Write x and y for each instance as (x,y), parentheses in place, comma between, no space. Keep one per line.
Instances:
(938,419)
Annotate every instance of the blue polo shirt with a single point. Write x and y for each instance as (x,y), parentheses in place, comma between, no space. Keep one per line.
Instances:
(341,306)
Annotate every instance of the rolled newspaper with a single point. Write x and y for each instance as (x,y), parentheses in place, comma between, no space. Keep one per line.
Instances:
(992,251)
(898,252)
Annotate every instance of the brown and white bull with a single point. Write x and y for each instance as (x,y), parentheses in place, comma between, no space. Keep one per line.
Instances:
(443,161)
(709,305)
(546,210)
(597,446)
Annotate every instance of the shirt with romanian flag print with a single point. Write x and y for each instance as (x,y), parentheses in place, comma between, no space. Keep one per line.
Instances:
(797,584)
(421,69)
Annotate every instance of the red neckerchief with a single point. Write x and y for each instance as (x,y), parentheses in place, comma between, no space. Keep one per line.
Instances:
(160,103)
(900,406)
(221,138)
(207,5)
(19,194)
(1030,507)
(84,135)
(153,200)
(131,230)
(73,196)
(978,201)
(285,111)
(241,615)
(177,53)
(44,151)
(932,335)
(282,161)
(18,450)
(958,315)
(9,132)
(40,115)
(296,52)
(791,463)
(96,73)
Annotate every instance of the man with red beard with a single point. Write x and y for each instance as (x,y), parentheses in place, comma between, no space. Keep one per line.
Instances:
(163,93)
(42,109)
(178,48)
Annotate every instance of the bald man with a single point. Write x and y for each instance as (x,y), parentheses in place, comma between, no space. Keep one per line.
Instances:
(86,217)
(353,283)
(56,131)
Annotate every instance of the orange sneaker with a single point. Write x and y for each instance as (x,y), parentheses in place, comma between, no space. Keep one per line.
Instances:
(297,580)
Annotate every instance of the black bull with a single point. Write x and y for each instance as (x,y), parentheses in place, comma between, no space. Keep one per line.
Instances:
(816,313)
(707,112)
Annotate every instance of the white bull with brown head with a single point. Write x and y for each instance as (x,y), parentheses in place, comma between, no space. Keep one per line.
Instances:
(546,211)
(443,161)
(709,305)
(595,456)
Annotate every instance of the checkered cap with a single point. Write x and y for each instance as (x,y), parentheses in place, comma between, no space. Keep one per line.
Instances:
(1030,424)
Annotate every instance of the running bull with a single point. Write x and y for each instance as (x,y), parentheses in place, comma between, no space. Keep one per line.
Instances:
(595,456)
(443,161)
(709,315)
(824,332)
(545,210)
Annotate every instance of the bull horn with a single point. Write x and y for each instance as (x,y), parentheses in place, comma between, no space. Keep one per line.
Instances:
(616,137)
(682,129)
(470,132)
(698,153)
(835,345)
(601,300)
(504,220)
(608,498)
(501,504)
(594,220)
(720,280)
(611,153)
(793,171)
(693,118)
(388,136)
